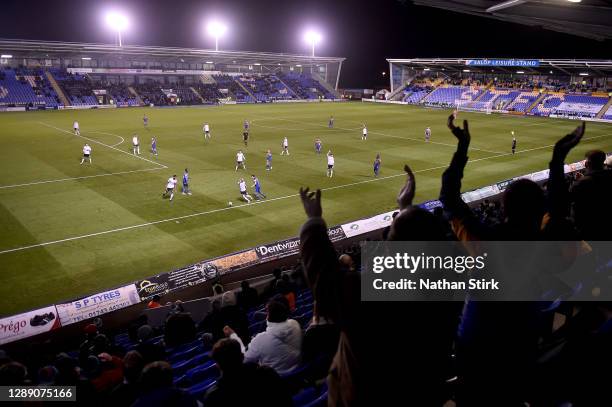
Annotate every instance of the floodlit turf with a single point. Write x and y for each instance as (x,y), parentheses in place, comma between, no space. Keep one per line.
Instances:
(78,229)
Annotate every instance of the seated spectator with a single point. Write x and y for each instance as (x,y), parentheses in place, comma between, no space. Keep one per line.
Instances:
(110,373)
(270,289)
(150,352)
(126,393)
(13,374)
(158,389)
(247,298)
(244,384)
(279,346)
(180,329)
(234,316)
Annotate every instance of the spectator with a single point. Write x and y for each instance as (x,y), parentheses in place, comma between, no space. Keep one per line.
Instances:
(247,297)
(180,329)
(155,302)
(149,351)
(126,393)
(158,389)
(13,374)
(110,373)
(336,295)
(232,315)
(279,346)
(243,384)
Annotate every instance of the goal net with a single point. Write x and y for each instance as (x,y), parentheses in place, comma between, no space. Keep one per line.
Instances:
(471,106)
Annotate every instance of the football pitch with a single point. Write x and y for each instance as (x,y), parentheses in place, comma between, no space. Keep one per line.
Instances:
(69,230)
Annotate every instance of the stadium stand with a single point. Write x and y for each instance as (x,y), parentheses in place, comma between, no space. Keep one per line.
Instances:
(449,95)
(76,86)
(581,105)
(233,88)
(151,93)
(523,101)
(22,87)
(608,114)
(305,86)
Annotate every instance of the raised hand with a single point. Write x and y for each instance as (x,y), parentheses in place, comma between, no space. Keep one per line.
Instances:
(311,202)
(565,145)
(463,135)
(406,194)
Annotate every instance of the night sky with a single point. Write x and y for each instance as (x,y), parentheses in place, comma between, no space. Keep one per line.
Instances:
(365,32)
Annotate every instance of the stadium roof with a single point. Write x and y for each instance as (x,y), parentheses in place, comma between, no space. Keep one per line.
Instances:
(50,49)
(588,18)
(505,65)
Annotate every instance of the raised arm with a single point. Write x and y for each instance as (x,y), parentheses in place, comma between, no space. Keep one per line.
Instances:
(558,194)
(464,223)
(319,257)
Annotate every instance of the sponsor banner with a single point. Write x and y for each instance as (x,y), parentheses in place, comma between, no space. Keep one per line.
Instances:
(362,226)
(28,324)
(290,247)
(195,274)
(99,92)
(97,304)
(480,193)
(430,205)
(503,62)
(12,109)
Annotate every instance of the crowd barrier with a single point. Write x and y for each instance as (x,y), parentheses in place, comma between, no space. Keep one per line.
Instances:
(38,321)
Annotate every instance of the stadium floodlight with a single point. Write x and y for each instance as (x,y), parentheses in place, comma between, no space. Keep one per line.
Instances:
(216,29)
(583,74)
(574,1)
(117,22)
(6,56)
(86,58)
(520,71)
(210,62)
(312,37)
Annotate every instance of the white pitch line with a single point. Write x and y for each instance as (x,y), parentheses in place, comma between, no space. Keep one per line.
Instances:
(102,144)
(106,232)
(110,134)
(382,134)
(77,178)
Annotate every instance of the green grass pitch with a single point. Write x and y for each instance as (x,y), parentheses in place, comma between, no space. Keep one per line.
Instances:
(70,230)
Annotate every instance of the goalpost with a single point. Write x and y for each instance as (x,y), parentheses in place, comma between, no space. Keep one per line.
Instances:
(471,106)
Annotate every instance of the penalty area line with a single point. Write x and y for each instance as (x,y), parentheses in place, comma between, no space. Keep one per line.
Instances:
(103,144)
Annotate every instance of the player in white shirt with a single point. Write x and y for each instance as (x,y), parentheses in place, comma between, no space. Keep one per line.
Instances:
(135,144)
(170,187)
(243,190)
(285,146)
(206,129)
(330,164)
(86,153)
(75,126)
(427,134)
(240,160)
(364,132)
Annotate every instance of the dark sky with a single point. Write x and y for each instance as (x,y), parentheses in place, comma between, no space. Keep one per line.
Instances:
(365,32)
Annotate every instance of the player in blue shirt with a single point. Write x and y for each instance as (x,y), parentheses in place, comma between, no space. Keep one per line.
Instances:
(268,160)
(258,194)
(377,165)
(318,146)
(186,183)
(154,146)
